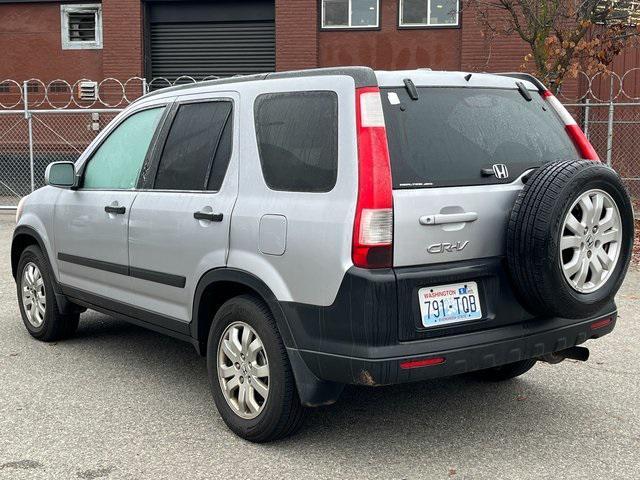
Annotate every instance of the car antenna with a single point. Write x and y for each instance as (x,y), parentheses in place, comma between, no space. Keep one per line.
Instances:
(411,88)
(467,77)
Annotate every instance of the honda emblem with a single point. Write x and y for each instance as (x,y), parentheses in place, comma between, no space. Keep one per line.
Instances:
(500,171)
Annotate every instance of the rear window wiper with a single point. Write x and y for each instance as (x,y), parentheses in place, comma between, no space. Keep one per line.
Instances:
(411,88)
(524,92)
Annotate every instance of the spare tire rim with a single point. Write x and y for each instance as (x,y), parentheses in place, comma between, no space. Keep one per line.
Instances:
(243,370)
(590,241)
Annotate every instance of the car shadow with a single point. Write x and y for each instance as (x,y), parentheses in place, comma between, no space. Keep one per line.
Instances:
(449,412)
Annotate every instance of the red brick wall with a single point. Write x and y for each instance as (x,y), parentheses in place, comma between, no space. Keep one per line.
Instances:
(123,39)
(296,34)
(390,47)
(479,53)
(31,46)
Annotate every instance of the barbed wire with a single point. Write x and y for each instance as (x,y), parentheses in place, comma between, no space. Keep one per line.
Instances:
(114,93)
(84,93)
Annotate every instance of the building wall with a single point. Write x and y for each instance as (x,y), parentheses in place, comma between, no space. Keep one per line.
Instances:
(123,39)
(296,34)
(390,47)
(479,53)
(31,46)
(30,42)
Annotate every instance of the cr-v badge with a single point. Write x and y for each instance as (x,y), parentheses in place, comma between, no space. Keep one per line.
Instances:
(500,171)
(447,247)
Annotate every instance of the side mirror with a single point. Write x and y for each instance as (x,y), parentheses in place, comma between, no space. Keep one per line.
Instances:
(60,174)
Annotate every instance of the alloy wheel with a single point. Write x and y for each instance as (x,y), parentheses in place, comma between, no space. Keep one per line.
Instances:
(34,299)
(243,370)
(590,241)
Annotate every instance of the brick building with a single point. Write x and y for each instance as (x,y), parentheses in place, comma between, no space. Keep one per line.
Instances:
(158,38)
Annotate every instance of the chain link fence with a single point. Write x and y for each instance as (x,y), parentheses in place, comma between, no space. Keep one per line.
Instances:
(30,140)
(43,123)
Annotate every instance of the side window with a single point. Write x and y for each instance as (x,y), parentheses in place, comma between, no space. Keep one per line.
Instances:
(198,147)
(297,137)
(116,164)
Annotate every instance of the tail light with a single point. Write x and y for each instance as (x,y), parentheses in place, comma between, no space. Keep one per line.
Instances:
(373,226)
(577,136)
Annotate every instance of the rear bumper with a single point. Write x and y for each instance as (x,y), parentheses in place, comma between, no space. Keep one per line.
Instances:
(374,325)
(462,353)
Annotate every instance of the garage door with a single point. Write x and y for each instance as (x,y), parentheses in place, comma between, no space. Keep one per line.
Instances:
(210,39)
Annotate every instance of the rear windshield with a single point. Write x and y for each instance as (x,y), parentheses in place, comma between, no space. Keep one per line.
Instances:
(453,136)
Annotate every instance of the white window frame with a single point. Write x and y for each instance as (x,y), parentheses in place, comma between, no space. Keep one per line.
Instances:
(428,23)
(349,26)
(65,10)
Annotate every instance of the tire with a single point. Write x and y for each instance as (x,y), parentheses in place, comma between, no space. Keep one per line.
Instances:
(504,372)
(537,223)
(52,325)
(281,413)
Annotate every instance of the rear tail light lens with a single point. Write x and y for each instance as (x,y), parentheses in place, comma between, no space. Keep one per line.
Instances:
(373,226)
(424,362)
(576,134)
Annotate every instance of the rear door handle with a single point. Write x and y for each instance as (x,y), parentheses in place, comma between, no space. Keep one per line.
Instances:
(115,210)
(210,216)
(442,218)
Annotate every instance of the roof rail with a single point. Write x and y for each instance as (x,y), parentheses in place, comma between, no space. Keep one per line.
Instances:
(362,76)
(525,76)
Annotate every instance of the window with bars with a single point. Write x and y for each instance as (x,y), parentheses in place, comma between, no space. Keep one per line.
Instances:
(81,26)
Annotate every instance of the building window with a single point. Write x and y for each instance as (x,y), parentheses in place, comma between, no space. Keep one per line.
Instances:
(429,13)
(81,26)
(350,13)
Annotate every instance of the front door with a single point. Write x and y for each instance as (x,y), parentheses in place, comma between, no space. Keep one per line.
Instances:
(90,223)
(179,228)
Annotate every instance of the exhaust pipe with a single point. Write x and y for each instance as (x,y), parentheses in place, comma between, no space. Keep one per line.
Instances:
(575,353)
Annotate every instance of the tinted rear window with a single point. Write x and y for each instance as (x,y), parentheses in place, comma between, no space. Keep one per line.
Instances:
(298,140)
(449,135)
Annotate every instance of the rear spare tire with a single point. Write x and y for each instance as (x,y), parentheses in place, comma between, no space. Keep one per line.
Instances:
(569,239)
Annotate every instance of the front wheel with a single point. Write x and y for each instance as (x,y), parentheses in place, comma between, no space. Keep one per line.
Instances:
(37,300)
(251,379)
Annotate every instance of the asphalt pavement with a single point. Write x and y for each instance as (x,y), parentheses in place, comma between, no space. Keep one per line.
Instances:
(121,402)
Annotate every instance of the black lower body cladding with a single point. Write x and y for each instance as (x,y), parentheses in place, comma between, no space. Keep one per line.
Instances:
(374,325)
(539,263)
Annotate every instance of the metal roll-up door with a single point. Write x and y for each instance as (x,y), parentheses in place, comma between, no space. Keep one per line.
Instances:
(202,39)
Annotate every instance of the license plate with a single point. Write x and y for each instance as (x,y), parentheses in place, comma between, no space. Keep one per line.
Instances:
(446,304)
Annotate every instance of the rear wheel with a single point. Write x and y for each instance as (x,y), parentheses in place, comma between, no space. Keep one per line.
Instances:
(251,379)
(37,300)
(504,372)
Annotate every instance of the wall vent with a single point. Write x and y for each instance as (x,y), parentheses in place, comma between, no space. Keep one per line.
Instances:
(88,91)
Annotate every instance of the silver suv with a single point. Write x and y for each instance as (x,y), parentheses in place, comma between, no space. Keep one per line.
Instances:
(307,230)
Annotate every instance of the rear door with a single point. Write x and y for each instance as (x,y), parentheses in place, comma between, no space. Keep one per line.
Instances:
(179,224)
(458,155)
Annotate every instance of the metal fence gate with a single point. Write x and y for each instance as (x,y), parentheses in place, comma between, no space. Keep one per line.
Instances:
(40,124)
